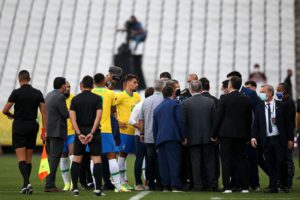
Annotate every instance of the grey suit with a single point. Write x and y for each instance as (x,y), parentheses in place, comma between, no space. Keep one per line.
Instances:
(57,114)
(198,115)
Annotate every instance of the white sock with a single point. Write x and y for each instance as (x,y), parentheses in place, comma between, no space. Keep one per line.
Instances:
(71,160)
(64,168)
(92,170)
(144,169)
(122,168)
(115,172)
(126,179)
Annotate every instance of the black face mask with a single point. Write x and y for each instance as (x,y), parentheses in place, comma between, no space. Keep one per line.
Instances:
(177,92)
(67,94)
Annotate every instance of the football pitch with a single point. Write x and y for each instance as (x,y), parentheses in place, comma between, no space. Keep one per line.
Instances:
(10,183)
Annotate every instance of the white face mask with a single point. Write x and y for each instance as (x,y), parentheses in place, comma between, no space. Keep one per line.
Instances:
(263,96)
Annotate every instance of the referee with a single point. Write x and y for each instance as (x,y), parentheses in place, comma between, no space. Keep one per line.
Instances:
(26,101)
(85,116)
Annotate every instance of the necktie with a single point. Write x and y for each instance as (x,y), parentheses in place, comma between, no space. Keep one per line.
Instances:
(269,118)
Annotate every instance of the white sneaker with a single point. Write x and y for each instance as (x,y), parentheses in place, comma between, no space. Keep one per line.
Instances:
(245,191)
(176,191)
(98,193)
(227,191)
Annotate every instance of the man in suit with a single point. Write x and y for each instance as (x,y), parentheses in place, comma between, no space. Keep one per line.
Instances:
(168,134)
(186,166)
(205,92)
(282,94)
(254,158)
(233,128)
(146,123)
(272,133)
(198,116)
(57,114)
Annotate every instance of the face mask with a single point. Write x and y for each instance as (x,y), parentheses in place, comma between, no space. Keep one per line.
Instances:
(263,96)
(177,92)
(279,95)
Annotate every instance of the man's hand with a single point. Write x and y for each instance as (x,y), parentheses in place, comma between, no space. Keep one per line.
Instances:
(43,134)
(253,143)
(290,144)
(82,139)
(184,142)
(89,137)
(10,115)
(142,138)
(122,125)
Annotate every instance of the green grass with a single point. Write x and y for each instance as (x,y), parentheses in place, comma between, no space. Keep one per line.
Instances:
(10,182)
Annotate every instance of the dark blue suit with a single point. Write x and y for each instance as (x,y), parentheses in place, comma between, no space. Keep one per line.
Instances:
(274,148)
(168,134)
(254,99)
(254,158)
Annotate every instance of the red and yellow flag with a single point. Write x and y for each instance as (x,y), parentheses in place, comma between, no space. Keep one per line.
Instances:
(44,169)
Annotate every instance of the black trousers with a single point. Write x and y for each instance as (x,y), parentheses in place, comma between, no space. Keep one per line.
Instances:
(54,148)
(152,173)
(276,157)
(253,166)
(186,168)
(140,153)
(217,164)
(234,149)
(203,166)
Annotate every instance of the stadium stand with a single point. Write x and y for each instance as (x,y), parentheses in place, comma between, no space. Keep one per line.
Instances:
(211,37)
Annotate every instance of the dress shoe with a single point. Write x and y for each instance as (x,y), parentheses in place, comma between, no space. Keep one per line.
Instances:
(53,189)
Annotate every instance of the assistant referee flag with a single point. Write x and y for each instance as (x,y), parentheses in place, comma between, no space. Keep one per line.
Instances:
(44,169)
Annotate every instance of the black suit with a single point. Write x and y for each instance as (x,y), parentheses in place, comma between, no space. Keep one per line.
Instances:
(233,127)
(198,116)
(274,148)
(216,152)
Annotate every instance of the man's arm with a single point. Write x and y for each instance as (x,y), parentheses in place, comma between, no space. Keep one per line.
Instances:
(97,121)
(219,118)
(298,115)
(62,107)
(74,122)
(42,108)
(134,117)
(289,132)
(255,129)
(6,109)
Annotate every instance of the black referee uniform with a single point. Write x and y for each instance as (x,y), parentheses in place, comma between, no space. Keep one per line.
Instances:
(25,127)
(85,106)
(26,100)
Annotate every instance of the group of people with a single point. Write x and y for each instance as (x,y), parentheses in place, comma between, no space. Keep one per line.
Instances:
(178,136)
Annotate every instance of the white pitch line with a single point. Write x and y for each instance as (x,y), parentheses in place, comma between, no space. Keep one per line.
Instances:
(140,195)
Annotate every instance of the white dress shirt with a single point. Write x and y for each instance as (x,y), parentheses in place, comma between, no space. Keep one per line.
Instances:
(273,116)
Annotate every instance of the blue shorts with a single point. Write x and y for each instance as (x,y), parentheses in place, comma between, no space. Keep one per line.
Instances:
(127,143)
(69,140)
(108,143)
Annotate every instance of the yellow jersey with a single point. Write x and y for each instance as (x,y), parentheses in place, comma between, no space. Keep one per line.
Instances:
(71,130)
(125,104)
(108,97)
